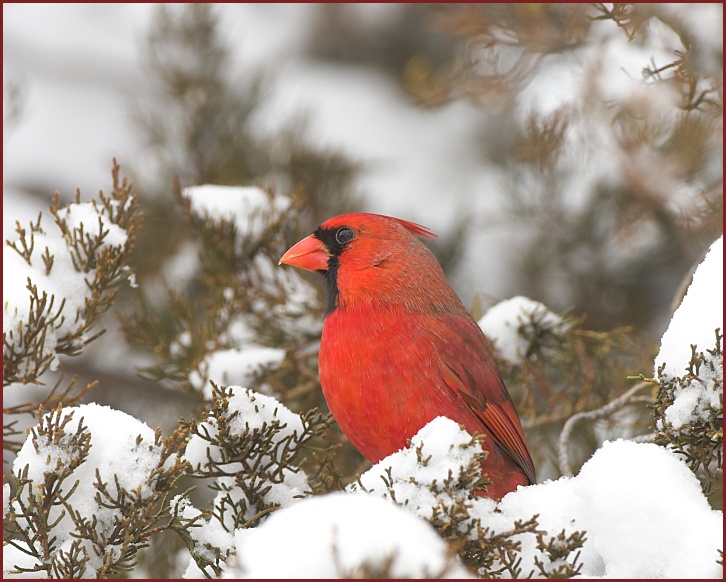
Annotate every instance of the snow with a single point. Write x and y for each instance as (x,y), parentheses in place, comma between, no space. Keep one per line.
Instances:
(206,533)
(645,514)
(6,499)
(63,283)
(694,323)
(256,410)
(509,326)
(249,208)
(692,402)
(85,215)
(448,450)
(16,297)
(233,366)
(16,558)
(116,451)
(250,413)
(248,410)
(641,507)
(345,533)
(697,317)
(121,447)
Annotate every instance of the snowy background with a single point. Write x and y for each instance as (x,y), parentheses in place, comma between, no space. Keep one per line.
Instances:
(74,66)
(79,73)
(76,63)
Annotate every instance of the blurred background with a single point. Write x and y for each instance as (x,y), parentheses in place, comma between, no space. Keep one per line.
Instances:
(570,153)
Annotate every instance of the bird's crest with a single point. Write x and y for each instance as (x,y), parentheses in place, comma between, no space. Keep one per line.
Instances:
(416,229)
(362,219)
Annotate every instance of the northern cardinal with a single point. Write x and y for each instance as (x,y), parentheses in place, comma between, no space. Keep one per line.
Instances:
(399,348)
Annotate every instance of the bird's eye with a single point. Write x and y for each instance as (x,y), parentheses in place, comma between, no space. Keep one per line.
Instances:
(344,235)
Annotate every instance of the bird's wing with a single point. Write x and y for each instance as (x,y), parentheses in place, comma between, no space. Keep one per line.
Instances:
(467,368)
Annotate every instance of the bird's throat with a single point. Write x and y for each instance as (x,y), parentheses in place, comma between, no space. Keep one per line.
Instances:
(331,284)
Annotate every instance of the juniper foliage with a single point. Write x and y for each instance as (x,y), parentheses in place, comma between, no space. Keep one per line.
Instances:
(699,439)
(36,338)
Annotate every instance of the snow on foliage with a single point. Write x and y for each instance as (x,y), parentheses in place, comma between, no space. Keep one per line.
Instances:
(347,535)
(248,445)
(90,455)
(641,509)
(421,476)
(248,412)
(67,285)
(250,209)
(88,216)
(513,324)
(689,369)
(53,261)
(698,316)
(259,295)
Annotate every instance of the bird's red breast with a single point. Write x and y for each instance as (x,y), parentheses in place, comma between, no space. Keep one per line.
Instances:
(399,348)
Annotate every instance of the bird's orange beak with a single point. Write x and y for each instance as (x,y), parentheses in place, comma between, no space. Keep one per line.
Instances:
(309,254)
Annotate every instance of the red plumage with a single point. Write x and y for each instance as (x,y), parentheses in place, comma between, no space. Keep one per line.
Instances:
(399,348)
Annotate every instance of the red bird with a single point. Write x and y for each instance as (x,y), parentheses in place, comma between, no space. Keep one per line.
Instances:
(399,348)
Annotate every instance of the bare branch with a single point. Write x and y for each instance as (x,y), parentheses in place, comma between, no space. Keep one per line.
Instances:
(592,415)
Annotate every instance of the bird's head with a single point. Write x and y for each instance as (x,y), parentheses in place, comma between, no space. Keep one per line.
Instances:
(371,257)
